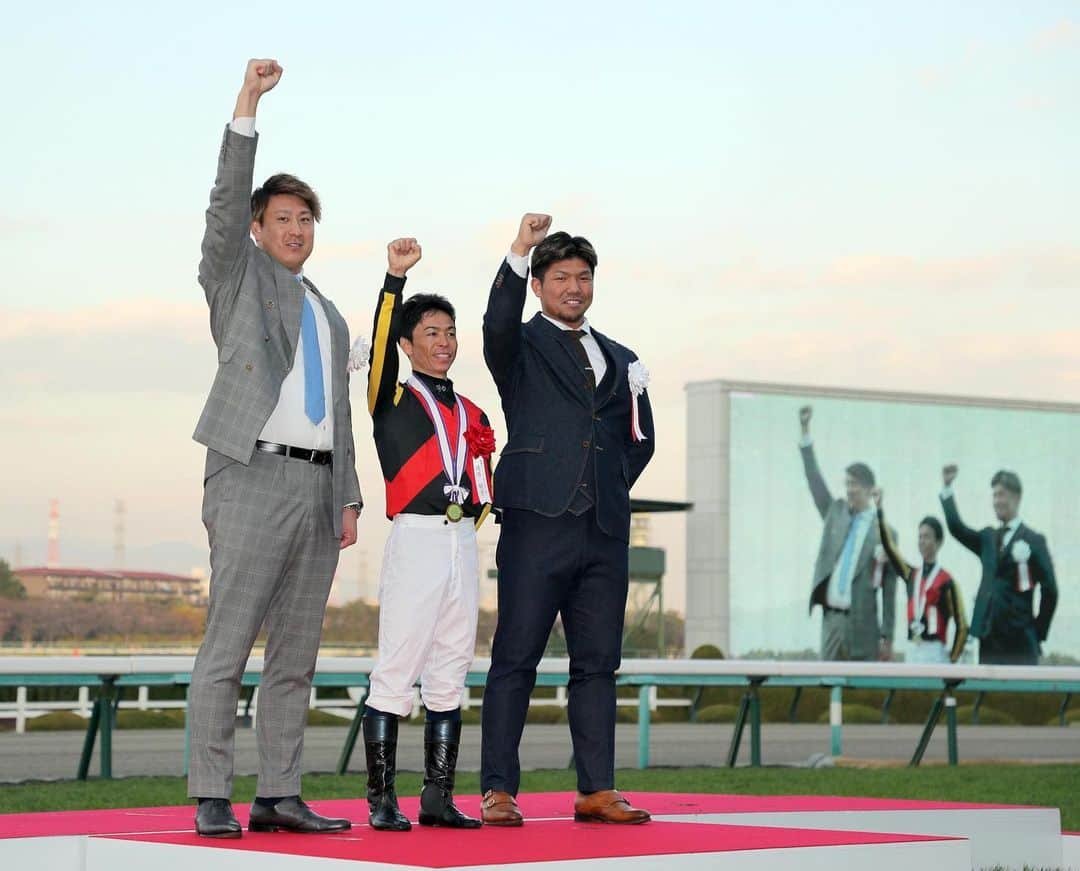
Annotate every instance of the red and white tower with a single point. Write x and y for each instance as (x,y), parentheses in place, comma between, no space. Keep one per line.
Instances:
(53,558)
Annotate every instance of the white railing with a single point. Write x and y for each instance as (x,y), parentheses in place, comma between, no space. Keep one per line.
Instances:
(23,710)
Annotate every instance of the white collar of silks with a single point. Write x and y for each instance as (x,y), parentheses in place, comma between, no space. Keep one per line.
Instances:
(636,373)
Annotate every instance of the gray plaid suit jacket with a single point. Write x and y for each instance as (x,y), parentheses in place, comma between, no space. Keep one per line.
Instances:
(255,308)
(866,627)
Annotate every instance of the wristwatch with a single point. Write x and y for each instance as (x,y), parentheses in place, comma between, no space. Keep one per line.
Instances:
(355,506)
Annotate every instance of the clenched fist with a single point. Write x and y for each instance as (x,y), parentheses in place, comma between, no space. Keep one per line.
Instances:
(532,231)
(262,75)
(948,474)
(805,413)
(402,255)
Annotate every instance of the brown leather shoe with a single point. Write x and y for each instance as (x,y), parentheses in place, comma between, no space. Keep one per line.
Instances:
(500,809)
(607,806)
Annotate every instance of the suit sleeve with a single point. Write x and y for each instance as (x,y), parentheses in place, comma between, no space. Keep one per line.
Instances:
(352,481)
(638,454)
(819,490)
(383,368)
(228,224)
(502,327)
(964,534)
(1048,591)
(956,607)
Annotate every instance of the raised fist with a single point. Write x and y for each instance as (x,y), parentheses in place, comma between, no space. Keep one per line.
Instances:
(948,474)
(261,75)
(532,231)
(805,413)
(402,255)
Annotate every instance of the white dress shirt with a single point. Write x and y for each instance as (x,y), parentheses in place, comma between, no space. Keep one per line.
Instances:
(1010,531)
(288,423)
(520,265)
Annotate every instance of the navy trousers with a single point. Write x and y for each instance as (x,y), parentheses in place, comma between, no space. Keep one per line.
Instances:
(551,566)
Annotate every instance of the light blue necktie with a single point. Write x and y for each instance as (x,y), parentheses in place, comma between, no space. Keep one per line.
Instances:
(849,553)
(314,392)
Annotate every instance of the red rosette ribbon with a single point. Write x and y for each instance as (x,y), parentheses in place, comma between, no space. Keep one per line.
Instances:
(480,439)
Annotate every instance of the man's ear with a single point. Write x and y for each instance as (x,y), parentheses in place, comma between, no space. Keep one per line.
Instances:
(256,231)
(536,286)
(405,346)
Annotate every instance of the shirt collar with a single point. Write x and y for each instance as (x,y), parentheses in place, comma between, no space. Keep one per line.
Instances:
(585,328)
(1013,524)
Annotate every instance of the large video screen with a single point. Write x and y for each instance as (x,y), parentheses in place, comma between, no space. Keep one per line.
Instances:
(776,522)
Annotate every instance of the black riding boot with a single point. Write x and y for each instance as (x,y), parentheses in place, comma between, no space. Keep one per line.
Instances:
(380,747)
(441,740)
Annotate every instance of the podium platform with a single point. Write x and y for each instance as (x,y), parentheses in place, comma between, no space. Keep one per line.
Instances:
(688,831)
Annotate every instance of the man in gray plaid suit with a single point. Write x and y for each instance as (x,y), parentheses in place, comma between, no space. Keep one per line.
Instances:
(281,496)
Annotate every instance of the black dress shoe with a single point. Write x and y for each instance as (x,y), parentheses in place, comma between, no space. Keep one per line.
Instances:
(214,818)
(292,815)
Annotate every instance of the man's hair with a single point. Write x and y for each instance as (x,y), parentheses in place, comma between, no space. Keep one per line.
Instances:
(935,527)
(861,473)
(283,183)
(418,305)
(1008,480)
(561,246)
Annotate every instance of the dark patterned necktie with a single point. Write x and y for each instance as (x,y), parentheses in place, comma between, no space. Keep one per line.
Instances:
(583,356)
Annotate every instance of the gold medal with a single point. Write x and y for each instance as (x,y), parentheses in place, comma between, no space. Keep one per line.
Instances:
(454,512)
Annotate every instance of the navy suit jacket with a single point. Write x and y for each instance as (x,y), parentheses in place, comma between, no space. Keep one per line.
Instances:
(1000,609)
(556,420)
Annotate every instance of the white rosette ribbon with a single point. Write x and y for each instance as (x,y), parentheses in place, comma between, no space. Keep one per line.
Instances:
(1021,553)
(879,565)
(360,354)
(638,376)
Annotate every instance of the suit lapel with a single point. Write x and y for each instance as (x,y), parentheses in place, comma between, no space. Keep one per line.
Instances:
(867,552)
(290,298)
(560,355)
(609,386)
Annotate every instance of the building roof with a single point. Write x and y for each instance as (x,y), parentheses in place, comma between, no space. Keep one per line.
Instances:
(99,574)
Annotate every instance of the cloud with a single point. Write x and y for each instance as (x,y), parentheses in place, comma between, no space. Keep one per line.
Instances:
(112,318)
(119,346)
(1062,34)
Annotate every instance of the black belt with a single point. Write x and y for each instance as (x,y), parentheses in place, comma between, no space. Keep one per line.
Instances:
(319,458)
(844,611)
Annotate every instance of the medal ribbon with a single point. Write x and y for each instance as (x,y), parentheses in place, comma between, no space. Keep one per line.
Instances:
(453,463)
(921,586)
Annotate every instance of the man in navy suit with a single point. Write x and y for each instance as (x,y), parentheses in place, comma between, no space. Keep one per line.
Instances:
(580,434)
(1015,559)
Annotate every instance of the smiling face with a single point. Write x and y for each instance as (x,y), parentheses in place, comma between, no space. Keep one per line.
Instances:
(286,231)
(566,290)
(434,344)
(858,494)
(1006,503)
(928,544)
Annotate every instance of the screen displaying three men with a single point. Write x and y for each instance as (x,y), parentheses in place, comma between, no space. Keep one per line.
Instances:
(977,504)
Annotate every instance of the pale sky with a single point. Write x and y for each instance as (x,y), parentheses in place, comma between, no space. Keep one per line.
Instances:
(874,195)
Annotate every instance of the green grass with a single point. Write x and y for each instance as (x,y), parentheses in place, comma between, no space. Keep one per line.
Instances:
(1051,785)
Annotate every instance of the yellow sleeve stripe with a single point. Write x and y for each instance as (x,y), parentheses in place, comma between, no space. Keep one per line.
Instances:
(380,344)
(483,516)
